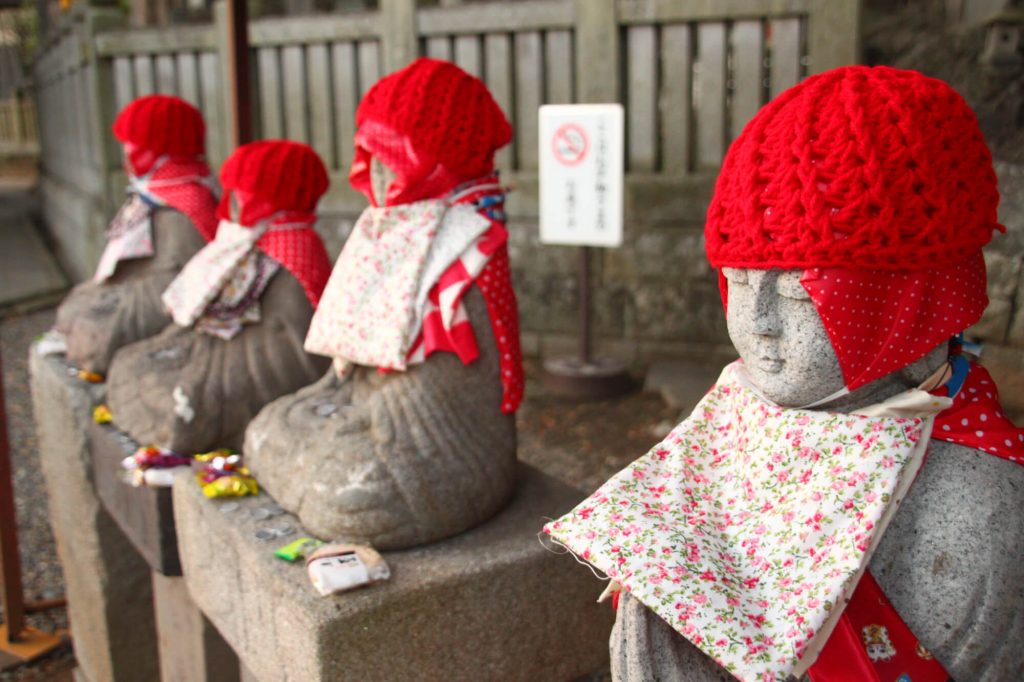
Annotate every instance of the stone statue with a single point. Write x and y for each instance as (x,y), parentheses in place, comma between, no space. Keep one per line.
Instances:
(170,213)
(837,308)
(241,308)
(410,437)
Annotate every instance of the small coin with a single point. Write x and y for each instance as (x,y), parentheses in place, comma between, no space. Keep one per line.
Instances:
(274,510)
(229,507)
(284,530)
(265,534)
(260,514)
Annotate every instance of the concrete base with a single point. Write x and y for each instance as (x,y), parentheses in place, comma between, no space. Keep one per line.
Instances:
(191,649)
(490,604)
(107,583)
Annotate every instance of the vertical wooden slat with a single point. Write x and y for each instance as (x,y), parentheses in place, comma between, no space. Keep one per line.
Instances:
(498,76)
(785,54)
(214,107)
(293,79)
(676,104)
(188,79)
(439,47)
(142,65)
(467,54)
(346,93)
(124,85)
(369,65)
(833,34)
(166,79)
(320,103)
(642,98)
(747,66)
(269,79)
(529,83)
(710,93)
(558,62)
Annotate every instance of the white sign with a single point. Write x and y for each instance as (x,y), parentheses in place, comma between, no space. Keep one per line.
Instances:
(581,174)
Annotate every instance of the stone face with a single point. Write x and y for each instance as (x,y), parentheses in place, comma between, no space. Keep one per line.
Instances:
(395,459)
(191,392)
(489,604)
(99,318)
(107,583)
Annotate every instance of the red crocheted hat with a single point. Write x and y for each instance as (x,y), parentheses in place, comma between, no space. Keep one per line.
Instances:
(878,184)
(162,124)
(284,174)
(442,116)
(860,168)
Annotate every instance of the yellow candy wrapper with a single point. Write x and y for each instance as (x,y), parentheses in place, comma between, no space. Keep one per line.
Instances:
(229,486)
(91,377)
(101,414)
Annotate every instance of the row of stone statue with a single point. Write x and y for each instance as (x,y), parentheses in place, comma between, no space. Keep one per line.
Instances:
(376,400)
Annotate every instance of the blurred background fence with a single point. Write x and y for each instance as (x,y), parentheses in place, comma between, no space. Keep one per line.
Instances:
(690,74)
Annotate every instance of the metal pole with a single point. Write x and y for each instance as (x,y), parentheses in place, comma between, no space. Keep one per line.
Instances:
(585,349)
(238,72)
(10,565)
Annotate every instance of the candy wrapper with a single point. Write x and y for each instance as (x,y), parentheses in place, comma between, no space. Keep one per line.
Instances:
(152,466)
(91,377)
(101,414)
(294,551)
(52,343)
(336,568)
(222,474)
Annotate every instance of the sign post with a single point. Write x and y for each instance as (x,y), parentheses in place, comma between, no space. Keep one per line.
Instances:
(581,162)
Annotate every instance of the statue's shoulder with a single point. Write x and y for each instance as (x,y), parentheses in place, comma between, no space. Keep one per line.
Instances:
(951,561)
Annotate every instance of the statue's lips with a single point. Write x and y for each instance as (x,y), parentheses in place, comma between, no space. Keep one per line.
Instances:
(770,365)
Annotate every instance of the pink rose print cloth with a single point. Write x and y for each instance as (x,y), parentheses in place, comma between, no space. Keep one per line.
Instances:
(373,307)
(129,236)
(205,275)
(748,527)
(238,303)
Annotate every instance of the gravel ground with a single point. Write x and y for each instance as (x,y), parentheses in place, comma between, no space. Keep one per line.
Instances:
(41,572)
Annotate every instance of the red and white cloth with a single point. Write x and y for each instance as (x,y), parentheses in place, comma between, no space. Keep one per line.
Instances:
(395,295)
(226,278)
(375,301)
(129,236)
(184,185)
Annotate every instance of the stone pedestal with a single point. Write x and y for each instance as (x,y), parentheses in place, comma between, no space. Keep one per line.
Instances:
(489,604)
(144,514)
(190,648)
(107,583)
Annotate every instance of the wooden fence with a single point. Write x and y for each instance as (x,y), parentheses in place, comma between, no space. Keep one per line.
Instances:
(690,74)
(18,132)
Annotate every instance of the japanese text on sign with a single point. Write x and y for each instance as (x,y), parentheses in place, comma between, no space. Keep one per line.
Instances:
(581,174)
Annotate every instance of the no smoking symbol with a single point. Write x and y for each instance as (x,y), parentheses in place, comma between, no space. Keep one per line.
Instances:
(570,144)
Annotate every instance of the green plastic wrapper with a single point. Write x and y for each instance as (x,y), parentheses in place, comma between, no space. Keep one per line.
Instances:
(294,551)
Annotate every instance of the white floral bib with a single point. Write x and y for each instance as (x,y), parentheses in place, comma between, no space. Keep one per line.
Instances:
(207,273)
(748,527)
(129,236)
(373,306)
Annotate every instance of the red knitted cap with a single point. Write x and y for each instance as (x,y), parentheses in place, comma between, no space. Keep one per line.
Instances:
(287,175)
(446,114)
(162,124)
(858,168)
